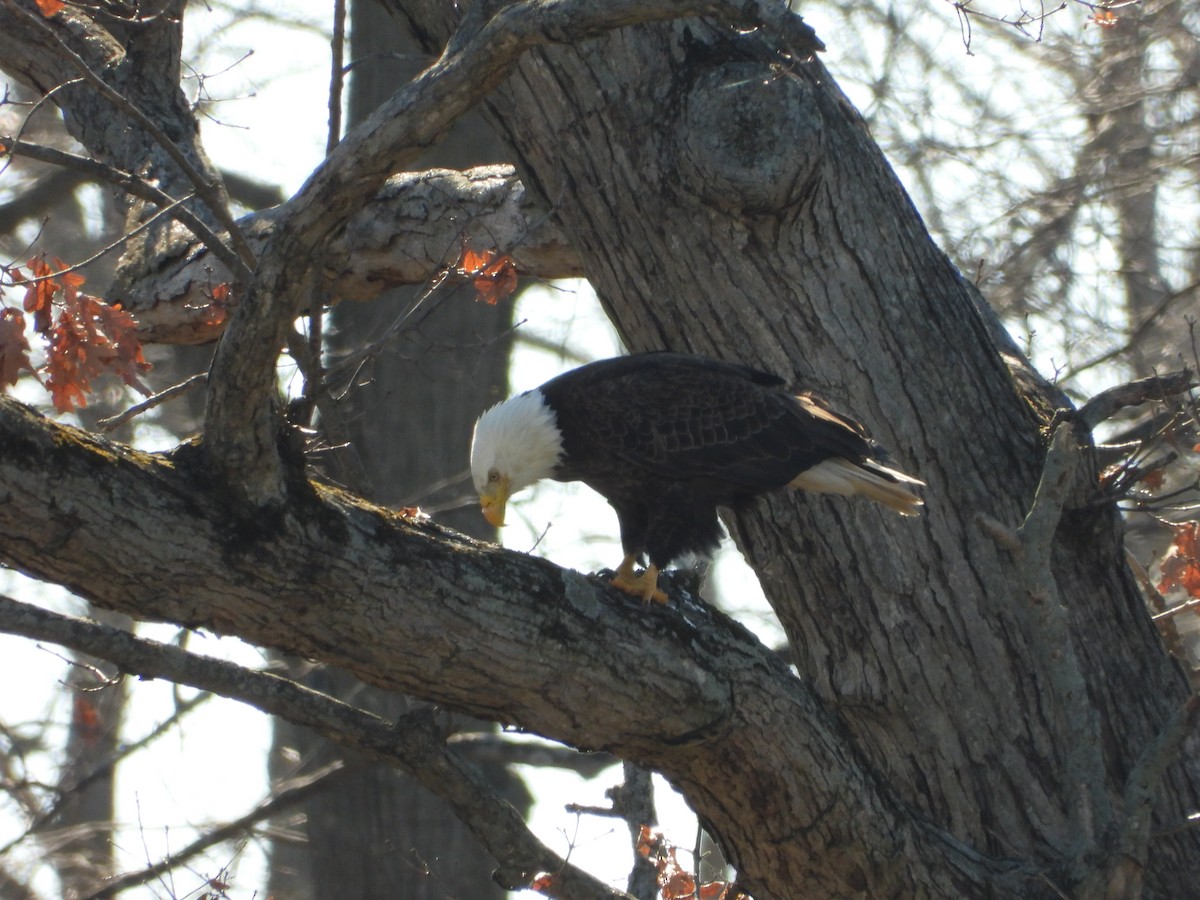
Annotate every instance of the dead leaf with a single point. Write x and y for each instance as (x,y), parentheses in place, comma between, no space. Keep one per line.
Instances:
(1105,18)
(14,347)
(85,718)
(493,275)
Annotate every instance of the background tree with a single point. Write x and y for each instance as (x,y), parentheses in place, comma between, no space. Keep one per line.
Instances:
(381,834)
(982,707)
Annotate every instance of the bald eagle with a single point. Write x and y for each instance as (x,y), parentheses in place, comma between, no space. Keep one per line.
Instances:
(667,438)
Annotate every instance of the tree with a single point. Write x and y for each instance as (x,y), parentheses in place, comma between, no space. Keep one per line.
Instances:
(980,703)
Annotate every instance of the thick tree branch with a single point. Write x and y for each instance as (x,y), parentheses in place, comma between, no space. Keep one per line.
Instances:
(407,233)
(1108,403)
(481,630)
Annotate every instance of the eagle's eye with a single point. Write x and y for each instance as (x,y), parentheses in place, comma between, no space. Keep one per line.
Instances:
(493,475)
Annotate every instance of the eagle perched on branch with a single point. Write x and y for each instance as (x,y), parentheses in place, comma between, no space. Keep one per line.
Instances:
(667,438)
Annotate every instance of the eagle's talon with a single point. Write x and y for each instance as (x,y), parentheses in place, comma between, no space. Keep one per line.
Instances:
(644,585)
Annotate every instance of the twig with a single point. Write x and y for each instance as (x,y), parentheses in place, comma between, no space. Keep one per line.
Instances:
(104,769)
(1138,332)
(104,251)
(1173,611)
(114,422)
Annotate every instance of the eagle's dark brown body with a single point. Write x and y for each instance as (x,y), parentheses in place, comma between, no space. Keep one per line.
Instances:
(667,438)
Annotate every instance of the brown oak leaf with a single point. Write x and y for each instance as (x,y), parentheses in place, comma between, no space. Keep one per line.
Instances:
(14,347)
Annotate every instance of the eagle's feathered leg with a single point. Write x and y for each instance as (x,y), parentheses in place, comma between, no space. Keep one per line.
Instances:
(644,585)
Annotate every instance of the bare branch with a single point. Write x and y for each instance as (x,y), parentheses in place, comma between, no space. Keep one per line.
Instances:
(1050,629)
(104,769)
(131,184)
(1107,403)
(413,744)
(112,423)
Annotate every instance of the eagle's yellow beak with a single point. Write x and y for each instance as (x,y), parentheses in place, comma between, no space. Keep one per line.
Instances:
(493,499)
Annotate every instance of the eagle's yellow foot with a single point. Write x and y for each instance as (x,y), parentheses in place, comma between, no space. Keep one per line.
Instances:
(644,585)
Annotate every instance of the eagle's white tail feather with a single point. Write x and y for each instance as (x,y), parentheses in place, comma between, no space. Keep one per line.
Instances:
(884,485)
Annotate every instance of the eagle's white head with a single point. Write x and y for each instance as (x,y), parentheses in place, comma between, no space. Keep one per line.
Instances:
(516,443)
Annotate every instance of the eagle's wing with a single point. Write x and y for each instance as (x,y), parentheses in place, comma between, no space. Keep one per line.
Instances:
(681,417)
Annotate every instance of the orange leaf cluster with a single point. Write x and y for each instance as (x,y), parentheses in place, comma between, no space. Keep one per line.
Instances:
(1154,478)
(1181,566)
(1105,18)
(674,881)
(85,337)
(493,274)
(413,514)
